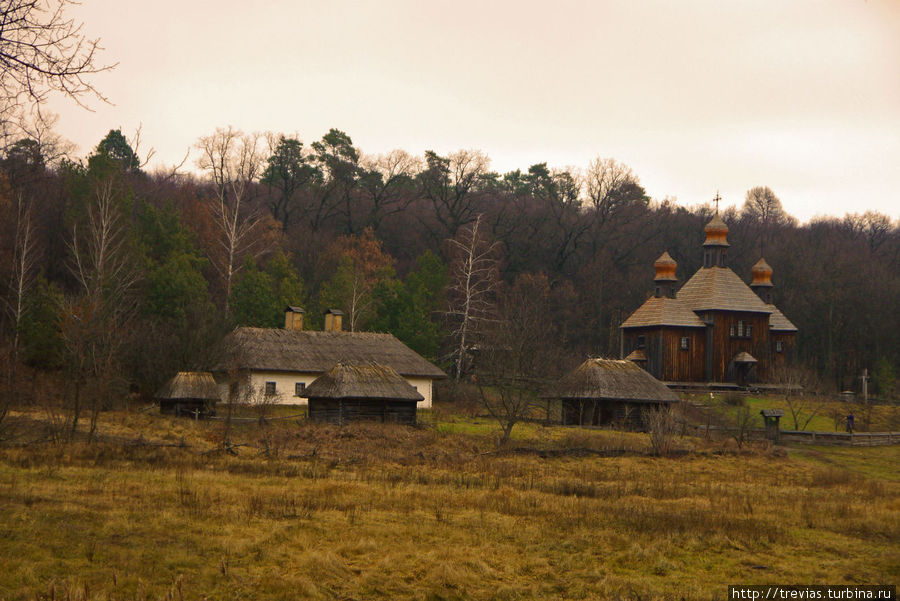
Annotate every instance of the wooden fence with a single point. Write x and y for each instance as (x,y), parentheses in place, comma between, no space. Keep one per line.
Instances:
(855,439)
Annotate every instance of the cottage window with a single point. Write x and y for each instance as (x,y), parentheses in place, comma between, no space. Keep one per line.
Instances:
(748,331)
(779,346)
(685,343)
(299,388)
(731,330)
(270,388)
(641,342)
(740,329)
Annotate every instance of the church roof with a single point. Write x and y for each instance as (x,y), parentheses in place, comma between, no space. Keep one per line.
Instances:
(663,311)
(778,322)
(719,288)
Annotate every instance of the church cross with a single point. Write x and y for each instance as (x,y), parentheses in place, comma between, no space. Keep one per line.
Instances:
(717,199)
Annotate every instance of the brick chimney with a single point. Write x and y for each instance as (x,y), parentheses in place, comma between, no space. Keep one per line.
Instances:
(293,318)
(333,318)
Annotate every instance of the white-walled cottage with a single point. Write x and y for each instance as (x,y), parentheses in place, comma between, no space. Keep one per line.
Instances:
(278,364)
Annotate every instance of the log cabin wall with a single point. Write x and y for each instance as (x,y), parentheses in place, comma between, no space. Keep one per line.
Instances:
(641,339)
(601,412)
(680,364)
(785,357)
(350,410)
(725,346)
(666,360)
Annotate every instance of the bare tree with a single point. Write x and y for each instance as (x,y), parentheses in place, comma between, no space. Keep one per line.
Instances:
(451,184)
(42,51)
(94,323)
(800,385)
(518,352)
(474,278)
(615,201)
(609,186)
(99,261)
(24,261)
(763,208)
(386,183)
(561,192)
(233,161)
(661,424)
(874,227)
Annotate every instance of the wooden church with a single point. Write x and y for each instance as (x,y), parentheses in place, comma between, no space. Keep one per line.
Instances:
(715,329)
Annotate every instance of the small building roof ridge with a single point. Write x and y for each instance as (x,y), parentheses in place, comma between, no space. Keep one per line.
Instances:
(613,379)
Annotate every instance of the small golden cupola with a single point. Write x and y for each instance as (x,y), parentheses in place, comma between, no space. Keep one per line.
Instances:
(715,248)
(762,281)
(665,279)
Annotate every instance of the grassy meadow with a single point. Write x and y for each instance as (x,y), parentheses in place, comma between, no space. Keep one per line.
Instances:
(156,510)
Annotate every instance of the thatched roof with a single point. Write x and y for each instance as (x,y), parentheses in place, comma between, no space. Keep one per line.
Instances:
(611,379)
(273,349)
(369,381)
(190,385)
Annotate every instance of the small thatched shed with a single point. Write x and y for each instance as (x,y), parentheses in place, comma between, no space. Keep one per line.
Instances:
(362,392)
(604,391)
(189,393)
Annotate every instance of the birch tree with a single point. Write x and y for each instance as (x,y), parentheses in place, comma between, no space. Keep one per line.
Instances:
(361,265)
(22,277)
(474,278)
(94,322)
(24,262)
(232,161)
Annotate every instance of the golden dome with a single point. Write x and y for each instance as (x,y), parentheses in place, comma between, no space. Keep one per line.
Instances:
(716,232)
(665,268)
(762,274)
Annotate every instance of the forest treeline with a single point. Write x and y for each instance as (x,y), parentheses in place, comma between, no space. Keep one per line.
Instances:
(115,277)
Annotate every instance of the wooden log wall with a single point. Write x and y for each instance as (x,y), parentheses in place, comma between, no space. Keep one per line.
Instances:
(666,360)
(595,412)
(725,347)
(349,410)
(778,361)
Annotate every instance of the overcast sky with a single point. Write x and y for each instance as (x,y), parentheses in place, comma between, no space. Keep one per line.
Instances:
(694,95)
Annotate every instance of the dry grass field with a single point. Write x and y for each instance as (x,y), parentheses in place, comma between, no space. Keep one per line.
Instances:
(156,510)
